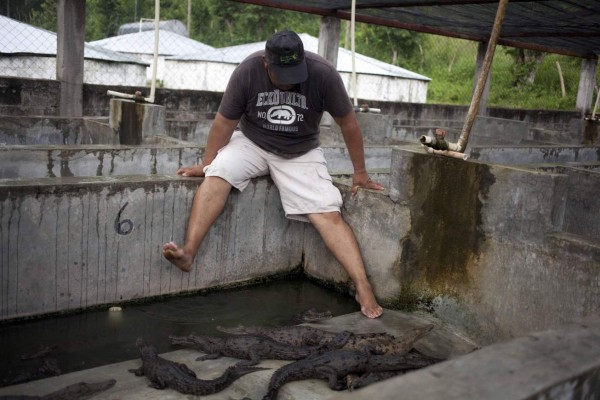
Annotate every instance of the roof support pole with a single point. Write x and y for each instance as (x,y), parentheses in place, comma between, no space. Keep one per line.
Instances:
(329,46)
(483,76)
(481,49)
(329,39)
(587,83)
(69,56)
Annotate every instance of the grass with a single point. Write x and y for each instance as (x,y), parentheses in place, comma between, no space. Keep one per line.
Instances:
(450,63)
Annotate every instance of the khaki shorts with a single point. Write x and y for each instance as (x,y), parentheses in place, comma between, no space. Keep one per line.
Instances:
(304,183)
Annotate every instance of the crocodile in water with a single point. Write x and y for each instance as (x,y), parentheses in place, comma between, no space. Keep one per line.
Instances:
(77,391)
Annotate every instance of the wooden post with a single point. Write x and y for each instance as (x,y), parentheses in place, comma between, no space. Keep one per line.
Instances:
(481,50)
(329,45)
(481,82)
(69,56)
(587,83)
(329,39)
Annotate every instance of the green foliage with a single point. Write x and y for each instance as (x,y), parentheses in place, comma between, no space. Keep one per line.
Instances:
(450,63)
(394,46)
(102,18)
(44,15)
(544,93)
(226,23)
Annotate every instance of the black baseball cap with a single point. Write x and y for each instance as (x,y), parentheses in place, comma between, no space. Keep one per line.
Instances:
(285,55)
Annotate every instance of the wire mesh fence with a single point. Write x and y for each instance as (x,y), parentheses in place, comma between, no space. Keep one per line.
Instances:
(397,66)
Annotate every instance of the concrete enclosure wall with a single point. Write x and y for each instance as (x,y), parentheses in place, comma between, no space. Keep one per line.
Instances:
(482,246)
(191,108)
(74,243)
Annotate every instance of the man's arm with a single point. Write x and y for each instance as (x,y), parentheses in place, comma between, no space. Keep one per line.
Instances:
(220,132)
(354,142)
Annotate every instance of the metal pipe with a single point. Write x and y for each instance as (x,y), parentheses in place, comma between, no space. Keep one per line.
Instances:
(155,59)
(448,153)
(137,96)
(487,63)
(438,142)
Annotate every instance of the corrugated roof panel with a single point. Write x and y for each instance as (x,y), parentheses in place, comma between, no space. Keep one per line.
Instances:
(143,43)
(364,64)
(20,38)
(570,27)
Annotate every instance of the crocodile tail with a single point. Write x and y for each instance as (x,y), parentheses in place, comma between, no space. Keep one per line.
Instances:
(271,394)
(238,370)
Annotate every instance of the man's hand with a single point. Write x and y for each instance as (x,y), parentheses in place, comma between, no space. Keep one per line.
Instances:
(196,170)
(363,180)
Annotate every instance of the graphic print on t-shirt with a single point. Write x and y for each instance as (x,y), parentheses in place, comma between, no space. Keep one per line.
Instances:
(284,115)
(281,114)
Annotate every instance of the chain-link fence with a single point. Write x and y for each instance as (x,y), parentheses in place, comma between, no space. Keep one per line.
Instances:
(519,78)
(437,69)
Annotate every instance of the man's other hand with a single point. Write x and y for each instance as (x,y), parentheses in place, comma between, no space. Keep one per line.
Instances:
(196,170)
(364,181)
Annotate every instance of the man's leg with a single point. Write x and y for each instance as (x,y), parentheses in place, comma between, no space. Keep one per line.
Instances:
(340,240)
(208,203)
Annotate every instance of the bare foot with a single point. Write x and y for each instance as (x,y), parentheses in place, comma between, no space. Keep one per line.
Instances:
(176,256)
(368,304)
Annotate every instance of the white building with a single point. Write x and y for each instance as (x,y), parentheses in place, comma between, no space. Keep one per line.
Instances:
(376,80)
(141,46)
(30,52)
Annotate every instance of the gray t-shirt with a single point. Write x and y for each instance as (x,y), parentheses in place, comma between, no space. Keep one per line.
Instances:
(284,122)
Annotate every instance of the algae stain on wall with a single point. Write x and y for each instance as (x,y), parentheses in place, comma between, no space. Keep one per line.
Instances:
(440,253)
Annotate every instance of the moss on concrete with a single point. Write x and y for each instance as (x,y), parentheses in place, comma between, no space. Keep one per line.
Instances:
(446,237)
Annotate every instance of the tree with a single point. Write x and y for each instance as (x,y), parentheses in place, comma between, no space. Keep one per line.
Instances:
(226,23)
(19,9)
(526,63)
(392,45)
(44,15)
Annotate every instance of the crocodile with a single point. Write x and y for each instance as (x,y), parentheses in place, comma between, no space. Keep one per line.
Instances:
(335,365)
(38,369)
(253,348)
(358,381)
(312,315)
(164,373)
(302,335)
(76,391)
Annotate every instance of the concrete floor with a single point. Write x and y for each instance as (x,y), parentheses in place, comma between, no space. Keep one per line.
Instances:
(442,341)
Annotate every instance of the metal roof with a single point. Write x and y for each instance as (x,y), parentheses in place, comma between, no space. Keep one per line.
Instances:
(569,27)
(171,25)
(19,38)
(143,43)
(364,64)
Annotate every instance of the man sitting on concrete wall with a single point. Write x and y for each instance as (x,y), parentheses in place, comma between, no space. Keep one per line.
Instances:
(268,123)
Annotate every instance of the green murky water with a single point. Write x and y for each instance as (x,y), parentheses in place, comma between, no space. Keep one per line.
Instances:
(101,337)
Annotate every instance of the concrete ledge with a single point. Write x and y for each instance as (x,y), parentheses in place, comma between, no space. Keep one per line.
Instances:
(504,202)
(152,158)
(562,363)
(514,155)
(157,155)
(31,130)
